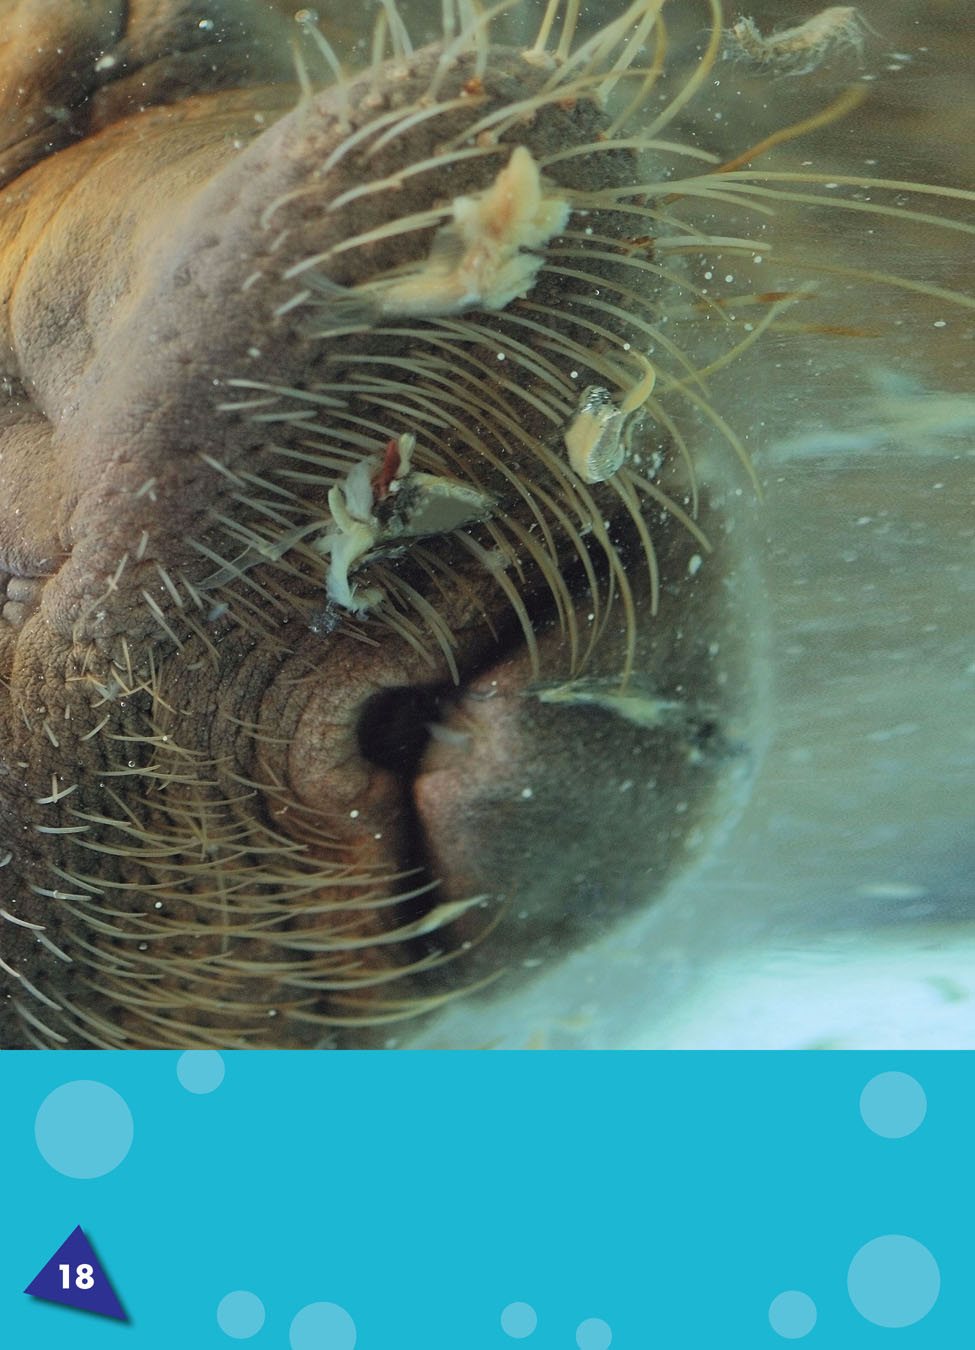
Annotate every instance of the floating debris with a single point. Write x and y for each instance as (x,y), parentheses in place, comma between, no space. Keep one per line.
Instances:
(641,707)
(802,48)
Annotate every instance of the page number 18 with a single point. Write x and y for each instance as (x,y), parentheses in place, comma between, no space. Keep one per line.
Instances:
(83,1277)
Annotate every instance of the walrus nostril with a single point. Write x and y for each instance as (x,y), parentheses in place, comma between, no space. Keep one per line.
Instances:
(394,728)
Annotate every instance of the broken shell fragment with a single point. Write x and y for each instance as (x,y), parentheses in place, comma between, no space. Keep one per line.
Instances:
(427,504)
(386,502)
(594,436)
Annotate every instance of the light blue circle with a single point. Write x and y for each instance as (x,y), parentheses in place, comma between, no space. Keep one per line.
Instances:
(593,1334)
(322,1326)
(83,1129)
(893,1104)
(519,1320)
(200,1070)
(792,1314)
(240,1314)
(893,1281)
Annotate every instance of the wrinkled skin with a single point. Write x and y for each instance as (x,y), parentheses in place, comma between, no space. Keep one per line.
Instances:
(219,827)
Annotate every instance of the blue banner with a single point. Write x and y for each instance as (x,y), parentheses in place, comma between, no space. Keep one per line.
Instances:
(318,1201)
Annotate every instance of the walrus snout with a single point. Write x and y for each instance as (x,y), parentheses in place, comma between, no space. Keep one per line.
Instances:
(527,807)
(379,617)
(394,657)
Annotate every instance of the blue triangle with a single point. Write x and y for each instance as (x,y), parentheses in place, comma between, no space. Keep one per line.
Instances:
(74,1276)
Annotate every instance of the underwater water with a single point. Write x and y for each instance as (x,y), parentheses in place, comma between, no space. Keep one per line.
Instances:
(837,910)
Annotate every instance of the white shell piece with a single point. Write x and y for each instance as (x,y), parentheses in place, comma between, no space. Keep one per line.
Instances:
(483,258)
(417,505)
(594,436)
(427,504)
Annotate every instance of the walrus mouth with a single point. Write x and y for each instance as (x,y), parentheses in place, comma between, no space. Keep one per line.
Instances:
(447,738)
(486,791)
(379,615)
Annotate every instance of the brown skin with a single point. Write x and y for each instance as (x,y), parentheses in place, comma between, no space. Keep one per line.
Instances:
(202,809)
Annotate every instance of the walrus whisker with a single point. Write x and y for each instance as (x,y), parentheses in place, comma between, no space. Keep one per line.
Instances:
(402,175)
(627,143)
(340,82)
(639,101)
(701,72)
(712,188)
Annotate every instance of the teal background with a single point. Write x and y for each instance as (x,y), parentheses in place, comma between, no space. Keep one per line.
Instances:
(672,1195)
